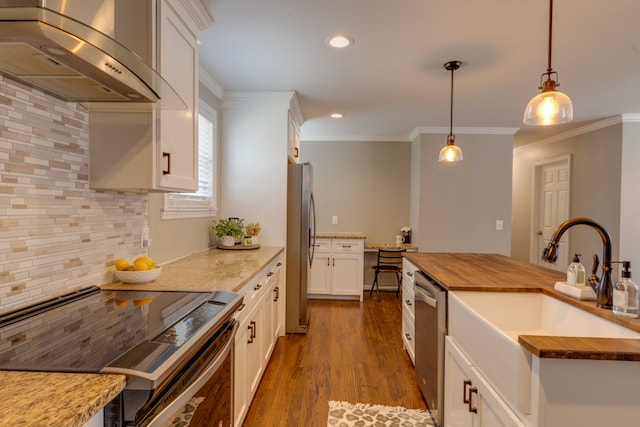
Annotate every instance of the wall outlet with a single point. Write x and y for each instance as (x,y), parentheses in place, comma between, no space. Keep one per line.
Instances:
(334,219)
(499,225)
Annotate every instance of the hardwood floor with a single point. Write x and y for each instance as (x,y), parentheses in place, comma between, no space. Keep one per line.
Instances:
(352,352)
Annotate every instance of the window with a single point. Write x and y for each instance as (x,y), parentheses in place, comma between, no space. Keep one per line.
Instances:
(202,203)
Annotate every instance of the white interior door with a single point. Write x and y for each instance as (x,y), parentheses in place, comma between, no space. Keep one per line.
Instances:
(551,208)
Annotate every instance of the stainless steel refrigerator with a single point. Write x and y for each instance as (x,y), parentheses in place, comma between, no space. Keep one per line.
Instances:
(301,238)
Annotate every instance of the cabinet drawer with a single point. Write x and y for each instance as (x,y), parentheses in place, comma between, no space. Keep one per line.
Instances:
(408,333)
(408,271)
(323,245)
(408,299)
(347,246)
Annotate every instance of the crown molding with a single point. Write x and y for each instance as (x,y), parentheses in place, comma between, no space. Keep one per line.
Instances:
(600,124)
(198,13)
(260,100)
(462,131)
(211,83)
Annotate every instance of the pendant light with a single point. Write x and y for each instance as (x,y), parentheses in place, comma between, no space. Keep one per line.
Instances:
(549,107)
(451,152)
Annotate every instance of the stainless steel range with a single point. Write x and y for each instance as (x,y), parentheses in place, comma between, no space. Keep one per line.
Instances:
(175,348)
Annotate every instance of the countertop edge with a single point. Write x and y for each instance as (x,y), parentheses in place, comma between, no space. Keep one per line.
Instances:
(72,399)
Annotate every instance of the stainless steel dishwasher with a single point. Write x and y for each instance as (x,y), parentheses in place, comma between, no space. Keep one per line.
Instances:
(430,331)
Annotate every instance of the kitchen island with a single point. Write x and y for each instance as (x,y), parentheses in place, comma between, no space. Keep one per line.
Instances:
(520,354)
(72,399)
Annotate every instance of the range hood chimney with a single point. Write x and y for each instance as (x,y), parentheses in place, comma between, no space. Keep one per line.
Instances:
(62,47)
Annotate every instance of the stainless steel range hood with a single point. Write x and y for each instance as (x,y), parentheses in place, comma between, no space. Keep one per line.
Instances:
(46,44)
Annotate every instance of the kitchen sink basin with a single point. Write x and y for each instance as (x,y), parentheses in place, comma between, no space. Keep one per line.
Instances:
(487,326)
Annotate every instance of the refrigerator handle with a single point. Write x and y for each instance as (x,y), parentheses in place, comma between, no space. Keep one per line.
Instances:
(312,230)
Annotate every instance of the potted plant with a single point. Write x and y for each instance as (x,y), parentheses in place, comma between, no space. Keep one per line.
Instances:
(229,230)
(253,229)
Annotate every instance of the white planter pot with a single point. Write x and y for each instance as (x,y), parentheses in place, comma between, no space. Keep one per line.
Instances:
(227,241)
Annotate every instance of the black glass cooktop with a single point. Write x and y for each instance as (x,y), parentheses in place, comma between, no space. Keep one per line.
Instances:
(90,331)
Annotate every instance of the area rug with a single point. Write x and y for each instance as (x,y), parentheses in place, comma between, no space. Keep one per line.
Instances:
(345,414)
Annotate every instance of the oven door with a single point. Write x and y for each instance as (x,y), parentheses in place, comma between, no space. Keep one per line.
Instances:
(208,401)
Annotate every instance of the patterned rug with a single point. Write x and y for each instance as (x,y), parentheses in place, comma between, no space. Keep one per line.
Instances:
(344,414)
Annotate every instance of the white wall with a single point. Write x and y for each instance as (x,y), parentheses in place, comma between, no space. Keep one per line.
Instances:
(364,183)
(595,188)
(253,161)
(630,196)
(459,203)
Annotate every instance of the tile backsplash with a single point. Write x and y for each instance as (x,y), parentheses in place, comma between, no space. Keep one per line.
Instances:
(56,234)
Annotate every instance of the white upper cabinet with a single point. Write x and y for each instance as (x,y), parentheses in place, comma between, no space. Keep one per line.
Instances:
(134,148)
(293,139)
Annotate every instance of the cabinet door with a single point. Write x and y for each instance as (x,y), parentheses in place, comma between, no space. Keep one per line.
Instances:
(320,275)
(492,410)
(293,140)
(276,301)
(255,348)
(458,388)
(178,64)
(240,379)
(347,274)
(266,331)
(469,399)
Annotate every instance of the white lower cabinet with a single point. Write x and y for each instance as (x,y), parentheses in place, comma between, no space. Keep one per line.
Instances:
(338,268)
(260,324)
(469,400)
(408,309)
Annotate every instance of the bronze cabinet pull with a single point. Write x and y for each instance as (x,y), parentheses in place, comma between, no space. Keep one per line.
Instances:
(464,391)
(168,156)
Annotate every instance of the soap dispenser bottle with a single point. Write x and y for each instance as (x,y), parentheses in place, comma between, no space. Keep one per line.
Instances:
(576,273)
(626,298)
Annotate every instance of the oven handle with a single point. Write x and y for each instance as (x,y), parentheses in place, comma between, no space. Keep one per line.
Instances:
(181,400)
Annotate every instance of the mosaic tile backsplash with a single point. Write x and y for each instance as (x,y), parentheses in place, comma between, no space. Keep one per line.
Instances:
(56,234)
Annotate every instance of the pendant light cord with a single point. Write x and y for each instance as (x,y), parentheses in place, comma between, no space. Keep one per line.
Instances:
(451,103)
(550,29)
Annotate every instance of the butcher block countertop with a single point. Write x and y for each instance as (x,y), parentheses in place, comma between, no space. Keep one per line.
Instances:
(499,273)
(63,399)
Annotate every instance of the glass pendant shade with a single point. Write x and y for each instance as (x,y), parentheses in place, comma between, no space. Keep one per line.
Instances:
(450,153)
(549,107)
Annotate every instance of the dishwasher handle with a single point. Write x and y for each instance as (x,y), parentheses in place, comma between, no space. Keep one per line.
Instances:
(426,289)
(421,296)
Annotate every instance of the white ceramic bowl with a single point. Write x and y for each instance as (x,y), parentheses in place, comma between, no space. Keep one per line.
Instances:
(145,276)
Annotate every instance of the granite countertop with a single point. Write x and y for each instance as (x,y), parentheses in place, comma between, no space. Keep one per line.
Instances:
(498,273)
(208,270)
(51,399)
(65,399)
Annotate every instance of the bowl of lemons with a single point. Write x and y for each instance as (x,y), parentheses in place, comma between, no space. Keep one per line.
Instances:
(141,270)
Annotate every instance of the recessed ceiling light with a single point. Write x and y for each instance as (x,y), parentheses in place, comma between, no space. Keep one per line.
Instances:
(337,115)
(340,41)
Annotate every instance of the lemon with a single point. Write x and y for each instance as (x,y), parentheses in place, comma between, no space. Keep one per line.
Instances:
(122,264)
(141,266)
(146,260)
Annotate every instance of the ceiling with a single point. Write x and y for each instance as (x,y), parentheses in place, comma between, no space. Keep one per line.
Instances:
(392,81)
